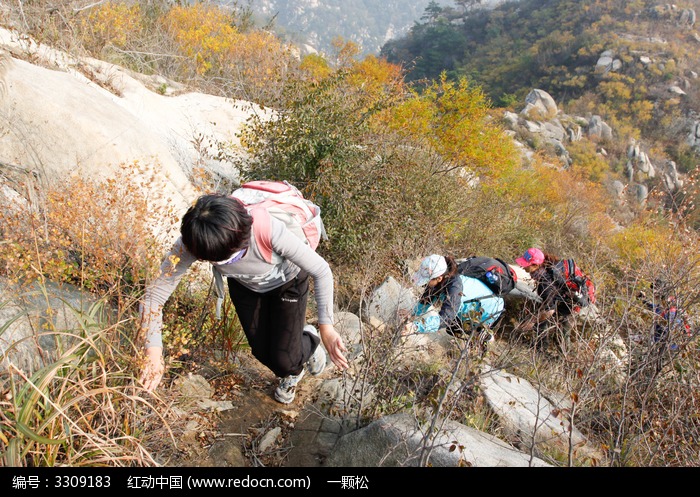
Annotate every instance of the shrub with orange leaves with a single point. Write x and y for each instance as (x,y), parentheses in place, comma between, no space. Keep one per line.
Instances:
(111,23)
(452,119)
(248,64)
(202,33)
(97,235)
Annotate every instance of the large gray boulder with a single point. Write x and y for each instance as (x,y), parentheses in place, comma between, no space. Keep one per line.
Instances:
(401,440)
(671,176)
(42,320)
(597,128)
(388,299)
(539,106)
(607,62)
(528,418)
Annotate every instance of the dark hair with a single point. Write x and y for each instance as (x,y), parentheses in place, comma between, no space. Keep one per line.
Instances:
(451,267)
(661,288)
(549,259)
(216,227)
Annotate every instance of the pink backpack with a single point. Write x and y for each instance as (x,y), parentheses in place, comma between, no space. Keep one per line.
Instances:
(286,203)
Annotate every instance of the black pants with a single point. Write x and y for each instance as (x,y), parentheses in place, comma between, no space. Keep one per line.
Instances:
(274,323)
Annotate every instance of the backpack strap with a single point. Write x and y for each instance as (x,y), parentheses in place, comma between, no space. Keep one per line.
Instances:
(479,299)
(219,288)
(507,269)
(569,269)
(269,186)
(558,272)
(262,231)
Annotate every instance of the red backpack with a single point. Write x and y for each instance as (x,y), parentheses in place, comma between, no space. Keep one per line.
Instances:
(579,284)
(286,203)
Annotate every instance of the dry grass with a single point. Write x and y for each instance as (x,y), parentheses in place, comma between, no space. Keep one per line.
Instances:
(82,408)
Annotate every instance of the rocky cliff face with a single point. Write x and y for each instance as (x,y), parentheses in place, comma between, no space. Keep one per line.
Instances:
(62,116)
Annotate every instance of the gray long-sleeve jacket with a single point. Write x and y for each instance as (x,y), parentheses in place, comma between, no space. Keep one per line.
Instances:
(252,271)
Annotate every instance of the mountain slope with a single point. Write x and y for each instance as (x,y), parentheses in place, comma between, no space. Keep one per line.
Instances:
(555,43)
(633,63)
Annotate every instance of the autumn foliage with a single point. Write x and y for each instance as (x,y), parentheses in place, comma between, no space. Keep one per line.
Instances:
(97,235)
(400,170)
(202,44)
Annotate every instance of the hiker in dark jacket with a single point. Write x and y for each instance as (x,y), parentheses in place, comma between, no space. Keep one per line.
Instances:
(669,319)
(557,307)
(465,303)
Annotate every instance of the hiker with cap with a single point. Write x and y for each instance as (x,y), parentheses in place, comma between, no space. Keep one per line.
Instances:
(270,297)
(556,310)
(466,304)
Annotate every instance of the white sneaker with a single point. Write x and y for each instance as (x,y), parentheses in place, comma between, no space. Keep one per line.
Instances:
(286,390)
(317,362)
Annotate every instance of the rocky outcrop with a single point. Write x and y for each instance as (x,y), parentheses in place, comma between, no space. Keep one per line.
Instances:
(561,129)
(687,17)
(599,129)
(63,115)
(41,321)
(694,136)
(529,419)
(671,177)
(669,11)
(539,106)
(402,440)
(638,166)
(542,118)
(607,62)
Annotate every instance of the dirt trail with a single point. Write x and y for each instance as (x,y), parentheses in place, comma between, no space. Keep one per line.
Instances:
(257,431)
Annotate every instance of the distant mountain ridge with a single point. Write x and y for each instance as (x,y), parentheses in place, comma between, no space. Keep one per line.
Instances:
(313,24)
